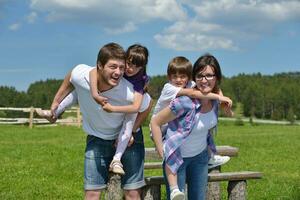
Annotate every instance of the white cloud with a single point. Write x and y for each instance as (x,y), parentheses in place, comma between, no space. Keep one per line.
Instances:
(31,18)
(14,27)
(251,12)
(193,36)
(110,14)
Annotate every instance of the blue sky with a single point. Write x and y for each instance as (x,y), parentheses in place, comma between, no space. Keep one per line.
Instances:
(42,39)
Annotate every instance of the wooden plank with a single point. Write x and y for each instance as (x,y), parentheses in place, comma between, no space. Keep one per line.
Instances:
(153,165)
(234,176)
(15,109)
(224,176)
(151,153)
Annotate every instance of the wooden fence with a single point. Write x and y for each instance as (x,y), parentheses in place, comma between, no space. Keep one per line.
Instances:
(31,120)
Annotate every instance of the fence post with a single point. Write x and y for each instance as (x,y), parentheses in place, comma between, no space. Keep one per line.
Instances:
(31,116)
(78,117)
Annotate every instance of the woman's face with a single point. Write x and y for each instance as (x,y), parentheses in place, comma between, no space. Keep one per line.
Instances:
(206,80)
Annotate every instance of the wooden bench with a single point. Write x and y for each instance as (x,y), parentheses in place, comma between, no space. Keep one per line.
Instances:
(236,188)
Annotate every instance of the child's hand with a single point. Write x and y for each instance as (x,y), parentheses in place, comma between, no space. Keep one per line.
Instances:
(225,100)
(101,100)
(108,107)
(227,110)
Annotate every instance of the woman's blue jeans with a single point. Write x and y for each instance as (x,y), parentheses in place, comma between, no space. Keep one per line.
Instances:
(193,172)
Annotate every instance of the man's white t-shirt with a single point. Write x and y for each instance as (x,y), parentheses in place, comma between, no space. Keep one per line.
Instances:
(95,120)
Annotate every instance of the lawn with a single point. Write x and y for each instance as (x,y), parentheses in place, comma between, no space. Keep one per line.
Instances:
(47,162)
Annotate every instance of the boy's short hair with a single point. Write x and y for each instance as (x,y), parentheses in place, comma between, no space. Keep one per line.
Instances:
(137,55)
(180,65)
(110,51)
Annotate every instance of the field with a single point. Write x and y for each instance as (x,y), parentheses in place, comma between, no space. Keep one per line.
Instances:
(47,163)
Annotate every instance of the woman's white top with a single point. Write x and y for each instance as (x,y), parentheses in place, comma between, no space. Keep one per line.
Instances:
(196,142)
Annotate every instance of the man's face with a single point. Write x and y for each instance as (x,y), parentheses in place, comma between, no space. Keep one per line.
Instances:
(111,73)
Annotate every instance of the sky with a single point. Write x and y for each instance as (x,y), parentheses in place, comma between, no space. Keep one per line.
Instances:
(45,39)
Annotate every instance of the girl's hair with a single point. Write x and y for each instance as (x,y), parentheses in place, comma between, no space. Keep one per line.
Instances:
(137,55)
(203,62)
(180,65)
(110,51)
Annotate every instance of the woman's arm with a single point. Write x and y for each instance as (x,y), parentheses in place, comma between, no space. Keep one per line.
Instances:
(94,88)
(161,118)
(132,108)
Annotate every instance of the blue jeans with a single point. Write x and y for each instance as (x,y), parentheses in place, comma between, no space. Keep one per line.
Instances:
(99,154)
(194,173)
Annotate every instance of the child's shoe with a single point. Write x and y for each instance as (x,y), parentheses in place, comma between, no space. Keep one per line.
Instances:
(217,160)
(176,194)
(116,167)
(46,114)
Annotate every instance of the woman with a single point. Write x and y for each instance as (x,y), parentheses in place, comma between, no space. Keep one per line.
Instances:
(189,121)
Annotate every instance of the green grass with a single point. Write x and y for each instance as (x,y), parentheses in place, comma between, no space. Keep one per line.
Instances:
(47,163)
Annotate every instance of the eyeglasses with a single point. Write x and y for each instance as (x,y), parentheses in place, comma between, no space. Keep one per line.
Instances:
(208,77)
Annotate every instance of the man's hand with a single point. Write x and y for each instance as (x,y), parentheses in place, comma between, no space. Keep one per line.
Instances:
(131,141)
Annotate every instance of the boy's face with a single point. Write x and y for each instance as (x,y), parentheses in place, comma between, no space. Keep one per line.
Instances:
(112,72)
(179,80)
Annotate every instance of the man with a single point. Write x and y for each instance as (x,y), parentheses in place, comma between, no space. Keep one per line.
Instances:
(102,128)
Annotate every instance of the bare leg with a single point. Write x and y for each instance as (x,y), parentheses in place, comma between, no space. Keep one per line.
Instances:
(133,194)
(92,194)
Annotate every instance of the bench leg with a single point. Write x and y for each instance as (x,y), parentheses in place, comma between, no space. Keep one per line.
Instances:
(151,192)
(114,190)
(237,190)
(213,188)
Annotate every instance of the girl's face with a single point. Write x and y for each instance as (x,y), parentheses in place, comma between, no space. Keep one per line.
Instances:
(206,80)
(179,80)
(132,69)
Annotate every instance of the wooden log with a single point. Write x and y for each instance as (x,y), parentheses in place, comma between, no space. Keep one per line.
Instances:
(213,191)
(237,190)
(152,189)
(114,190)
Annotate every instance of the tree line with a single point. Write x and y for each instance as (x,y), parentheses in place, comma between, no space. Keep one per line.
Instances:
(262,96)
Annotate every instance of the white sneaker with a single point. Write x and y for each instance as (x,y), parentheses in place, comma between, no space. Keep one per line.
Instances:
(46,114)
(116,167)
(217,160)
(177,195)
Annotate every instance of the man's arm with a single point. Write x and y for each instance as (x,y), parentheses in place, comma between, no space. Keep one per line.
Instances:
(142,116)
(65,88)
